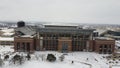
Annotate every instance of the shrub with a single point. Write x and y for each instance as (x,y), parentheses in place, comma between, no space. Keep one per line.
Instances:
(17,58)
(51,57)
(6,57)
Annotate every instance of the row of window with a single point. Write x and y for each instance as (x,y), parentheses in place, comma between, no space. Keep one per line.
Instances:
(50,44)
(63,35)
(23,46)
(105,46)
(106,49)
(78,43)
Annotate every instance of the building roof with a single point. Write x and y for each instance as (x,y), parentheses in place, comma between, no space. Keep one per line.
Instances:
(31,30)
(61,26)
(103,38)
(27,36)
(27,30)
(110,32)
(70,30)
(114,36)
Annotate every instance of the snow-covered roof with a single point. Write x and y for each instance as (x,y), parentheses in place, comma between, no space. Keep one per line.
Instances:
(6,38)
(100,31)
(27,36)
(60,24)
(27,30)
(103,38)
(115,36)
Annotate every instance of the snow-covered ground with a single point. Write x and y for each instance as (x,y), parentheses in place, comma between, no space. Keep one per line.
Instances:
(117,43)
(81,60)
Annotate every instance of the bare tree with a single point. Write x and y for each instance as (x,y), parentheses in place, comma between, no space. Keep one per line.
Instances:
(28,57)
(62,57)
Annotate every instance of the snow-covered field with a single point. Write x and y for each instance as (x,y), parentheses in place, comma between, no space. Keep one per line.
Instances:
(38,60)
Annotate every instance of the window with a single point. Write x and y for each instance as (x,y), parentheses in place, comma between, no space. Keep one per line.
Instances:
(18,46)
(105,46)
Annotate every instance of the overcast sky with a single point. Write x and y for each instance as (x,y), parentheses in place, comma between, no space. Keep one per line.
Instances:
(74,11)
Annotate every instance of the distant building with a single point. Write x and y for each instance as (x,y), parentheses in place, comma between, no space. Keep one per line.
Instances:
(56,38)
(6,41)
(111,34)
(6,37)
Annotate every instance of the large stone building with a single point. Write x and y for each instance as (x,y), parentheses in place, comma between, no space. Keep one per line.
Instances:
(55,38)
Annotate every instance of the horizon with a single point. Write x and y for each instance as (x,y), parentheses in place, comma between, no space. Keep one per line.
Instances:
(58,23)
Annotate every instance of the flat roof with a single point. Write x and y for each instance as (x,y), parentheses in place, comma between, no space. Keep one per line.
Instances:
(61,26)
(27,36)
(103,38)
(70,30)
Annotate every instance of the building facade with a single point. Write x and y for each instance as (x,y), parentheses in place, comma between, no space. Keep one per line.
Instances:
(64,39)
(60,38)
(102,46)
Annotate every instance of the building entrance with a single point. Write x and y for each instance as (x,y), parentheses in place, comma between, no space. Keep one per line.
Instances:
(64,47)
(64,44)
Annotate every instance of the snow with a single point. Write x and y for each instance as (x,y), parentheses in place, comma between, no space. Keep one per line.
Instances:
(7,34)
(117,43)
(37,64)
(27,36)
(81,59)
(116,66)
(59,24)
(5,49)
(8,30)
(103,38)
(6,38)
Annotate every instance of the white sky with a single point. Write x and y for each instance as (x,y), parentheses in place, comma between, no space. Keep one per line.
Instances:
(74,11)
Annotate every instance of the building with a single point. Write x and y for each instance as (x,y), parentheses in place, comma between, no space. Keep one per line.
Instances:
(111,34)
(6,37)
(6,41)
(64,38)
(56,38)
(25,38)
(102,45)
(24,43)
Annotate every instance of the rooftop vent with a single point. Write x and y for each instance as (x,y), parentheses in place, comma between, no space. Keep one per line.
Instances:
(20,24)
